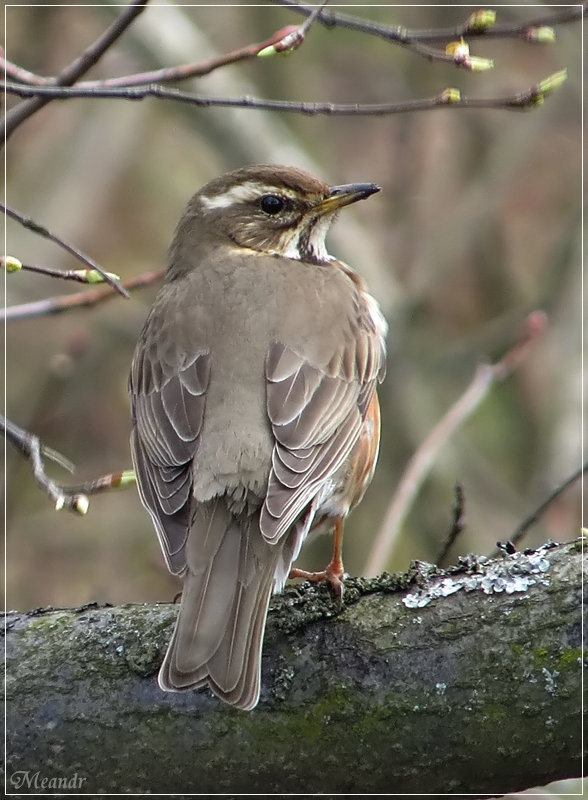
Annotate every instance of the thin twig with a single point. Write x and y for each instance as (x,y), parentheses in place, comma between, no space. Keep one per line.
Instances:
(458,524)
(536,515)
(164,75)
(105,483)
(297,33)
(80,275)
(56,305)
(30,446)
(448,99)
(412,39)
(70,498)
(485,377)
(21,440)
(400,35)
(22,75)
(180,72)
(77,68)
(31,225)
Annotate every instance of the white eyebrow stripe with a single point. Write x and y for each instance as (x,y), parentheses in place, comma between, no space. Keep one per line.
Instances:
(243,193)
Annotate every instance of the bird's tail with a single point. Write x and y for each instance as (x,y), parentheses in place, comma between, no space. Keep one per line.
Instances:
(227,586)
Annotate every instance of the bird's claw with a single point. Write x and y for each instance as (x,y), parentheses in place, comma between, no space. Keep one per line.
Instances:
(333,574)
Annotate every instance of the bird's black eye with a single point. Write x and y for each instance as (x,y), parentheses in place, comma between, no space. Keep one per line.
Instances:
(271,203)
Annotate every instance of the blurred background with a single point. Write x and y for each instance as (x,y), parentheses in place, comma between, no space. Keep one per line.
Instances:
(477,224)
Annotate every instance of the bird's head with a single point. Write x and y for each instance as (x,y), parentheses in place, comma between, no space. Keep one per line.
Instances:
(270,209)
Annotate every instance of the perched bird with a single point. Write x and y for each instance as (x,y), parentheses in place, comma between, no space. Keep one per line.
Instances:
(255,419)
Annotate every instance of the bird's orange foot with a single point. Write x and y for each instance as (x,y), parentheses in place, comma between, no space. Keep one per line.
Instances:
(333,574)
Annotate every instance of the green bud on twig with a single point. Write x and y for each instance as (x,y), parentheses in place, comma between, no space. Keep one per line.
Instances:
(481,20)
(81,504)
(542,34)
(10,263)
(476,64)
(450,96)
(553,82)
(126,478)
(93,276)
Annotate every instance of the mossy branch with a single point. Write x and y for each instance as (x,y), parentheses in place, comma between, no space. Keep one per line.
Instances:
(466,680)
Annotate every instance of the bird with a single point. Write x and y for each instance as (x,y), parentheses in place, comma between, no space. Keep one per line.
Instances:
(254,414)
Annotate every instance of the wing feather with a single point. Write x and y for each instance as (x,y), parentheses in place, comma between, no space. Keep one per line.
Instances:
(317,417)
(168,395)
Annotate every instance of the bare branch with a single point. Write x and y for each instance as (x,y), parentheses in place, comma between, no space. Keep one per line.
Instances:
(458,524)
(113,480)
(419,465)
(56,305)
(450,98)
(77,68)
(536,515)
(397,34)
(80,275)
(31,225)
(294,35)
(30,446)
(21,439)
(71,498)
(22,75)
(167,74)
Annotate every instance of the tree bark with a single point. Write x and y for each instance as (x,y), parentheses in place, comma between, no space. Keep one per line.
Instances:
(458,681)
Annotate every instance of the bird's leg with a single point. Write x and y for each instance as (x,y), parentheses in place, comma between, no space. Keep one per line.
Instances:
(333,572)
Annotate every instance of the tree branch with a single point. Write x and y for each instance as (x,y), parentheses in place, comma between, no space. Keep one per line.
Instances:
(449,98)
(77,68)
(57,305)
(41,230)
(517,536)
(180,72)
(397,34)
(460,681)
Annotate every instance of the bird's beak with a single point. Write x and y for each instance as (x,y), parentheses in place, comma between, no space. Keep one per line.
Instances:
(340,196)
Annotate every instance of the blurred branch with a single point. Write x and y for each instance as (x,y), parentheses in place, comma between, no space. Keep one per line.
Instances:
(20,74)
(536,515)
(450,98)
(485,377)
(70,498)
(31,448)
(294,36)
(16,116)
(56,305)
(479,23)
(291,36)
(79,275)
(113,480)
(35,227)
(21,439)
(397,34)
(458,524)
(167,74)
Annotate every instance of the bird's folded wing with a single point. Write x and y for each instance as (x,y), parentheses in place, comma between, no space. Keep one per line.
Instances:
(168,399)
(316,416)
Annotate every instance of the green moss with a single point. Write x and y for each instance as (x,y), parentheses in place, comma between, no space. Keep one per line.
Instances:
(494,713)
(541,658)
(53,622)
(566,659)
(569,659)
